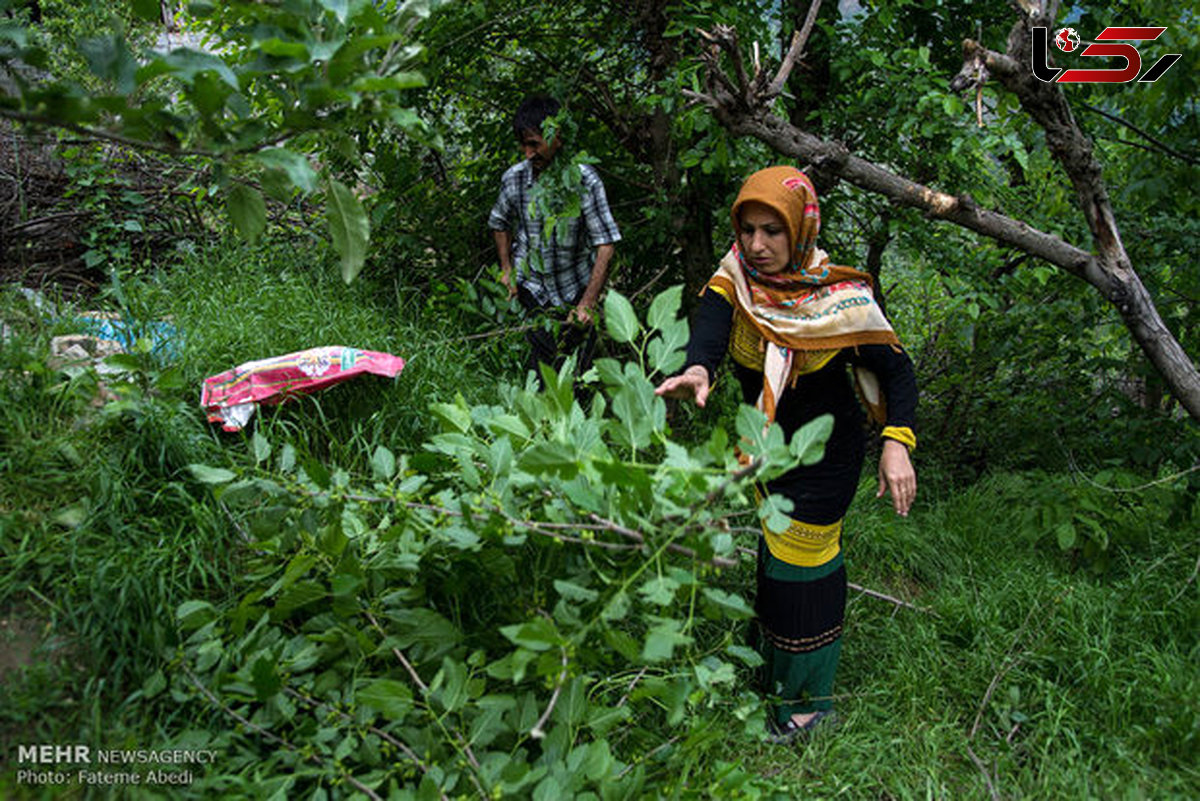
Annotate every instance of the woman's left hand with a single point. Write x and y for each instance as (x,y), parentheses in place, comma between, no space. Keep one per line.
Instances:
(897,476)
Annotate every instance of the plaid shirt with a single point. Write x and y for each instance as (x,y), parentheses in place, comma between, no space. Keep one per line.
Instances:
(566,260)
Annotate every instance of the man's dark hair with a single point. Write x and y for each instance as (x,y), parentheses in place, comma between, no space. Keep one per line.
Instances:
(532,112)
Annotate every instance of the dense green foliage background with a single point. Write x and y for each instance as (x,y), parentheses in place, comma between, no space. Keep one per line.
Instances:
(454,585)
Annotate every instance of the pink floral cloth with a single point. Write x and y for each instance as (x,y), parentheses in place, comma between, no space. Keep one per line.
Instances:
(231,397)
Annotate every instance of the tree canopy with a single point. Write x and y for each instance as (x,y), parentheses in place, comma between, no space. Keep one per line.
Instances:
(486,589)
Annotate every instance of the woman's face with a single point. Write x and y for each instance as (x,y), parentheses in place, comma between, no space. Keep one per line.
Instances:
(763,238)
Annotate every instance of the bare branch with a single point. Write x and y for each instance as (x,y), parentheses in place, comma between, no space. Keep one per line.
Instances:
(1159,145)
(727,38)
(412,673)
(898,603)
(700,97)
(537,732)
(794,53)
(137,144)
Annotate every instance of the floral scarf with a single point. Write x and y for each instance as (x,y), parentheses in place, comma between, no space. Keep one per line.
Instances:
(812,305)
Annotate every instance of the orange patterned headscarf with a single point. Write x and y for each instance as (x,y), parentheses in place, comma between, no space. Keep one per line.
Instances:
(791,195)
(812,305)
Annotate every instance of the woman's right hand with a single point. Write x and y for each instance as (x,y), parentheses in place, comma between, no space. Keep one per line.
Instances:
(691,383)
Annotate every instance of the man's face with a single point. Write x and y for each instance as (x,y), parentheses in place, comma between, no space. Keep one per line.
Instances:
(537,150)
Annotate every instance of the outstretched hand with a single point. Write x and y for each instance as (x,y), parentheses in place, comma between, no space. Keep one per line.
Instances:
(897,476)
(691,383)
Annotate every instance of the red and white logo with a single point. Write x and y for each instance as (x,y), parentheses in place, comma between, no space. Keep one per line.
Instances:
(1067,40)
(1111,43)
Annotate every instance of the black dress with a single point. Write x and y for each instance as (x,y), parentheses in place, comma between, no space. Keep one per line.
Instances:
(801,605)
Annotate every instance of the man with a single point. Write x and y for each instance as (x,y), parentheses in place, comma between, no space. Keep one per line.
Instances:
(549,271)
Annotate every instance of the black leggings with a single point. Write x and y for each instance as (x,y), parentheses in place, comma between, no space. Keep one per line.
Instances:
(546,348)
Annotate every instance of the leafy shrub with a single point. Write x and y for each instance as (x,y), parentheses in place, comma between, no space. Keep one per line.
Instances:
(523,604)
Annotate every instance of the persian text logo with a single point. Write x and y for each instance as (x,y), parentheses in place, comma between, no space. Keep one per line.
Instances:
(1110,42)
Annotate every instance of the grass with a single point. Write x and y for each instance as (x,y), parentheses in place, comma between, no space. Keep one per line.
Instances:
(1062,683)
(1031,673)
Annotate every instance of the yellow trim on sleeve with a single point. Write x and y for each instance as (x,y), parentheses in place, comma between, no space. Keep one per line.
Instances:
(722,291)
(902,434)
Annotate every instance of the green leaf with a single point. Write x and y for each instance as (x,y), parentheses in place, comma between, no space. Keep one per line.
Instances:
(538,634)
(746,655)
(619,317)
(262,448)
(71,516)
(550,457)
(293,165)
(599,762)
(187,64)
(302,593)
(665,307)
(1065,533)
(125,361)
(732,605)
(317,473)
(774,511)
(573,592)
(248,211)
(508,424)
(390,698)
(661,641)
(349,228)
(453,692)
(750,423)
(265,678)
(432,634)
(456,415)
(154,684)
(338,8)
(147,9)
(663,358)
(287,458)
(659,590)
(194,614)
(808,443)
(383,463)
(211,475)
(396,82)
(109,58)
(284,49)
(460,537)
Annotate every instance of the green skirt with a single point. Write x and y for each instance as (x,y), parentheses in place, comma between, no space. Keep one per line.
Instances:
(800,615)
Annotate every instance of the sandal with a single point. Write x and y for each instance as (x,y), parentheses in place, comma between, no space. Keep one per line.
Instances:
(784,733)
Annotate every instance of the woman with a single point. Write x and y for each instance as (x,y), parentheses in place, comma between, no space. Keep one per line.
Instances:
(797,326)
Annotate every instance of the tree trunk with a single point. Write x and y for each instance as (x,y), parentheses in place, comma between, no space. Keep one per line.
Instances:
(649,138)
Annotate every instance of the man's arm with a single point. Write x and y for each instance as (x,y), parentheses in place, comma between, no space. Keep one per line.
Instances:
(504,250)
(583,310)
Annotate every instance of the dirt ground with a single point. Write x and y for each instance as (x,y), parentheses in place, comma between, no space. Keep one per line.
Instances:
(19,639)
